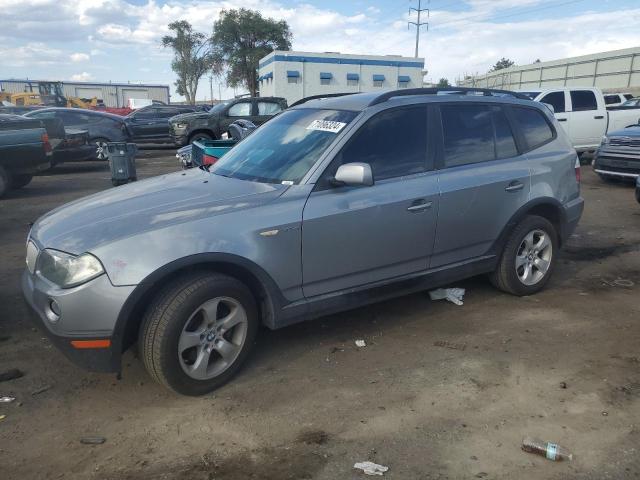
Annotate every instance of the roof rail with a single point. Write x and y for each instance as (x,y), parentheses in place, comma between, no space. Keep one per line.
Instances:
(486,92)
(316,97)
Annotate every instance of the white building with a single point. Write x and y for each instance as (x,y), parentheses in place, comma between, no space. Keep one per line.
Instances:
(617,70)
(295,75)
(113,94)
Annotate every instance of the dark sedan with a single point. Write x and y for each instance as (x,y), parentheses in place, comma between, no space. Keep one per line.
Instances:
(101,127)
(151,124)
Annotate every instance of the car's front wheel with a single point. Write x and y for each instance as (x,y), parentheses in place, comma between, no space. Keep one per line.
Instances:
(528,257)
(198,331)
(101,148)
(19,181)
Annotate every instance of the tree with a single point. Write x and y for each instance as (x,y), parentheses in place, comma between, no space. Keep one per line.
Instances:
(192,58)
(443,83)
(241,38)
(537,61)
(501,64)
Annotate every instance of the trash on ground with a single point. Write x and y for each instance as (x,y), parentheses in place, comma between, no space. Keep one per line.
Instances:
(10,375)
(623,282)
(563,384)
(454,295)
(452,346)
(2,417)
(40,390)
(93,440)
(552,451)
(371,468)
(360,343)
(7,399)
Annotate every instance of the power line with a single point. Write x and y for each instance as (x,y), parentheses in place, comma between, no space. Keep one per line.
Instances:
(418,23)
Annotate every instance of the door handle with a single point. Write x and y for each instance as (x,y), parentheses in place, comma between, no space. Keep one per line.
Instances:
(599,117)
(419,205)
(562,119)
(514,186)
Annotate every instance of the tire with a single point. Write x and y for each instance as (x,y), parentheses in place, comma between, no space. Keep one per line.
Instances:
(101,146)
(200,136)
(532,233)
(5,181)
(19,181)
(179,346)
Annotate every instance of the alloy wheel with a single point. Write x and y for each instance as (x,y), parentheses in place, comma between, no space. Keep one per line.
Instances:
(533,257)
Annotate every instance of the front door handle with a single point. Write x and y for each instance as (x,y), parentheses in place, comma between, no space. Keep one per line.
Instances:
(599,117)
(562,119)
(514,186)
(419,205)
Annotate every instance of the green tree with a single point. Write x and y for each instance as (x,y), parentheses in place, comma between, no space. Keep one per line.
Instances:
(241,38)
(192,58)
(443,83)
(502,63)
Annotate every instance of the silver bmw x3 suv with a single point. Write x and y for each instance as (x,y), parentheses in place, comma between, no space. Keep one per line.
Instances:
(334,203)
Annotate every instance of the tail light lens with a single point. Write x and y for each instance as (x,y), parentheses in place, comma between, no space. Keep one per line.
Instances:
(46,145)
(577,169)
(209,159)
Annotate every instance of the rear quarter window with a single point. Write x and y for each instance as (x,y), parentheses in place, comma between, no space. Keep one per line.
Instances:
(534,126)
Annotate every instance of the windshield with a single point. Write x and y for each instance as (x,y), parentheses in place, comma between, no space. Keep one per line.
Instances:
(285,148)
(218,107)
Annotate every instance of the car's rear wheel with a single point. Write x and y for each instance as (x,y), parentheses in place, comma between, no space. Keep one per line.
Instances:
(198,331)
(19,181)
(528,258)
(101,148)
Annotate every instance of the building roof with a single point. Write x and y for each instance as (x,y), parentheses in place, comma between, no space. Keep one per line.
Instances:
(101,84)
(341,59)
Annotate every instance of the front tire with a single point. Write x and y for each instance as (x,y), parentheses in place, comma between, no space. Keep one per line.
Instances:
(101,148)
(528,258)
(200,136)
(19,181)
(198,331)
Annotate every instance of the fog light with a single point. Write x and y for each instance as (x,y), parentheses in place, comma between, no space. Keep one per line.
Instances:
(53,312)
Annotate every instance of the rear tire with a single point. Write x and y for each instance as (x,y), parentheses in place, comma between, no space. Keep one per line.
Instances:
(198,331)
(528,257)
(19,181)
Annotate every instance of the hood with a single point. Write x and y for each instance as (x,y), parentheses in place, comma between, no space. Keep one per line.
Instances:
(625,132)
(151,204)
(185,117)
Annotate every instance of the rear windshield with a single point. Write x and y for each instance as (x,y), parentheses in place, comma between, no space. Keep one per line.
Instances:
(285,148)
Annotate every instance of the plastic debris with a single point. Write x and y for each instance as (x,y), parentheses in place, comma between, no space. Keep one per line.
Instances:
(552,451)
(452,346)
(2,417)
(361,343)
(371,468)
(40,390)
(10,375)
(93,440)
(623,282)
(453,295)
(7,399)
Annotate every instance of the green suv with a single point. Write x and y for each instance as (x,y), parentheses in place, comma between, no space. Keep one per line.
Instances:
(188,127)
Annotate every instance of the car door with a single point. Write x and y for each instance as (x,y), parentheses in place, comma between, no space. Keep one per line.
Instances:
(588,119)
(483,180)
(143,124)
(265,110)
(242,109)
(559,99)
(161,122)
(354,236)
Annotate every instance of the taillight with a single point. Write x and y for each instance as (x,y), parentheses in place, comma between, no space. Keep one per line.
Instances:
(46,145)
(578,169)
(209,159)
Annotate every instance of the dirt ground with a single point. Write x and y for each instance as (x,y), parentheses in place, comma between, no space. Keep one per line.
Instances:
(309,403)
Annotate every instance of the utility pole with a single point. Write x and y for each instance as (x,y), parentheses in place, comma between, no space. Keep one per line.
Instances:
(211,86)
(418,23)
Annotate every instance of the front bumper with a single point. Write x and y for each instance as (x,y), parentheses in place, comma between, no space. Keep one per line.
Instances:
(87,312)
(622,162)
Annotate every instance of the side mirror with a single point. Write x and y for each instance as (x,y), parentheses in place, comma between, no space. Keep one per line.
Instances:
(354,174)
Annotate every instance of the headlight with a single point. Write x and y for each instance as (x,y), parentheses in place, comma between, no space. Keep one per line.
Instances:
(605,140)
(180,125)
(32,256)
(68,270)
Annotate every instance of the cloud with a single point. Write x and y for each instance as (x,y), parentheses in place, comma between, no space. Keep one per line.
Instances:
(79,57)
(81,77)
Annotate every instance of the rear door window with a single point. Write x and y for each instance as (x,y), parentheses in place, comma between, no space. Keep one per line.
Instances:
(475,134)
(242,109)
(609,99)
(583,100)
(534,126)
(556,100)
(268,108)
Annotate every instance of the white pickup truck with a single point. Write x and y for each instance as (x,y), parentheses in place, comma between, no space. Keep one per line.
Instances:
(583,114)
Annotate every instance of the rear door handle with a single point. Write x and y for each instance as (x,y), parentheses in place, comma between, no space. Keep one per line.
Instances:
(514,186)
(562,119)
(599,117)
(419,205)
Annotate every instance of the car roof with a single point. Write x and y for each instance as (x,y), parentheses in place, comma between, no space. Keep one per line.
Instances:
(361,101)
(113,116)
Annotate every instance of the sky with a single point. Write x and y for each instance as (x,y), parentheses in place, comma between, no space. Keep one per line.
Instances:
(119,40)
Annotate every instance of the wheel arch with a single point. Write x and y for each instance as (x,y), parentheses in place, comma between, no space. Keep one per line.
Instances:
(208,131)
(262,286)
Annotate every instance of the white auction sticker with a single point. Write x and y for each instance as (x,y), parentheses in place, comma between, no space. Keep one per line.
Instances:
(326,126)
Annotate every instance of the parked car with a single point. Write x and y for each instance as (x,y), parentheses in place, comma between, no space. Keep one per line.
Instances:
(616,99)
(24,150)
(76,147)
(332,204)
(584,115)
(634,102)
(102,127)
(618,156)
(638,189)
(212,124)
(151,124)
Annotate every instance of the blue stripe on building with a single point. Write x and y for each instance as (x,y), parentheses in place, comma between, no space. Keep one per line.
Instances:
(341,61)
